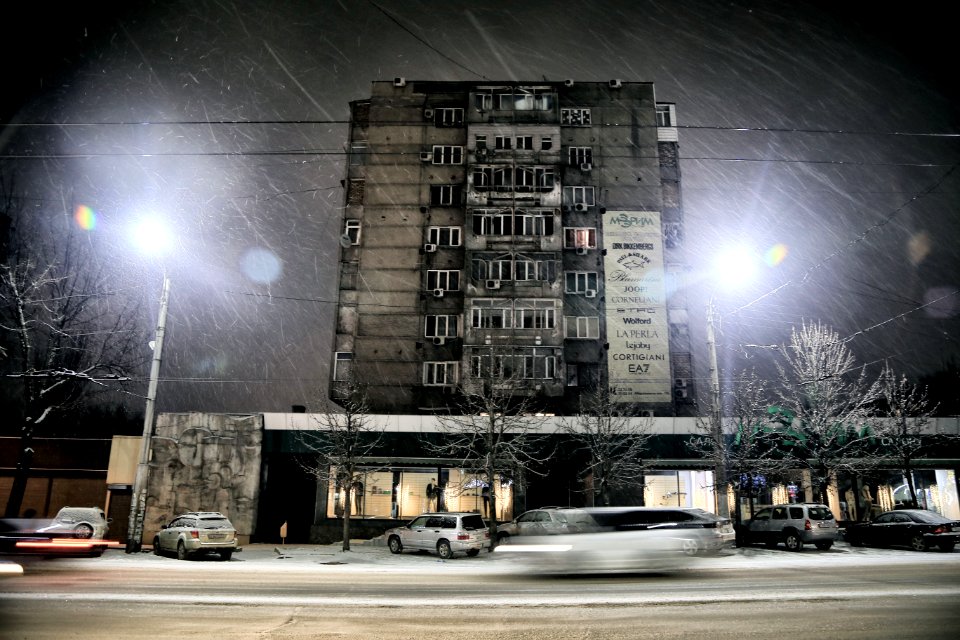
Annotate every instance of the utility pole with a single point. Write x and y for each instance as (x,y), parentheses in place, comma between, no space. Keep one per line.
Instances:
(138,501)
(716,416)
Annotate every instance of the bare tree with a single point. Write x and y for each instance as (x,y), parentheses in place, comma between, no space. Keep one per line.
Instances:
(497,434)
(826,401)
(907,410)
(745,443)
(344,438)
(615,441)
(66,332)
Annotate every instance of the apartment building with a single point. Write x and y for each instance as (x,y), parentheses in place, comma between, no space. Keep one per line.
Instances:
(531,231)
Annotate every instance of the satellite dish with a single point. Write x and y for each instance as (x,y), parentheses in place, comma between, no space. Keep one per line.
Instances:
(346,241)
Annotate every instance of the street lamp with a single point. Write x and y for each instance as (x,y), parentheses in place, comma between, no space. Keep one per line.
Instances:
(732,269)
(152,238)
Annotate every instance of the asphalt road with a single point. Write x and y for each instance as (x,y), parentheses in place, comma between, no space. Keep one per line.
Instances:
(791,595)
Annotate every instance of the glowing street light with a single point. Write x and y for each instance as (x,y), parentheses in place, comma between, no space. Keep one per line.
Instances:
(733,269)
(152,238)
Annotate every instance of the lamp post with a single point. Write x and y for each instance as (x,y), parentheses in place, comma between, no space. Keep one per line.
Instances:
(734,268)
(153,238)
(716,417)
(138,501)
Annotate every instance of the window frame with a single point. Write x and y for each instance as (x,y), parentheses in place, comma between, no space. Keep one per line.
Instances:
(447,154)
(581,327)
(575,117)
(450,325)
(573,237)
(435,235)
(448,368)
(353,228)
(580,278)
(448,116)
(444,279)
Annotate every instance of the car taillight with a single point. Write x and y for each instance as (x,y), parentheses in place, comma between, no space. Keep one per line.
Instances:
(463,536)
(941,529)
(195,534)
(807,526)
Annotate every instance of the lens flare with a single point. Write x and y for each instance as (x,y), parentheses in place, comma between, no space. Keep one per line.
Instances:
(261,265)
(85,217)
(775,254)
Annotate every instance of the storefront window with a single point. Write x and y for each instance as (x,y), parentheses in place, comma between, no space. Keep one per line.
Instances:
(404,492)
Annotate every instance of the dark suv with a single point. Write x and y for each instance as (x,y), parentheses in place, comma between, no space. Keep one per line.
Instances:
(792,524)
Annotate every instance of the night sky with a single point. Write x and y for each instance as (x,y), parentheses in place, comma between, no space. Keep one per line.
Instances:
(823,138)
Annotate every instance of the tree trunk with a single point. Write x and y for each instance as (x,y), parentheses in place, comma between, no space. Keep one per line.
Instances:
(347,508)
(21,475)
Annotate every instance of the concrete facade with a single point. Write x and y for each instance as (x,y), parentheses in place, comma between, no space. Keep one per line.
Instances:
(205,462)
(486,227)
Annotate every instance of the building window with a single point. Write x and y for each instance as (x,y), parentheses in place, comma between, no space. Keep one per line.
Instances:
(447,154)
(581,327)
(546,143)
(536,314)
(533,223)
(486,267)
(575,117)
(481,141)
(483,101)
(580,155)
(495,178)
(525,143)
(441,326)
(444,236)
(444,280)
(578,195)
(493,313)
(358,153)
(579,238)
(342,366)
(535,366)
(580,282)
(493,222)
(351,229)
(448,117)
(439,374)
(663,116)
(502,142)
(444,195)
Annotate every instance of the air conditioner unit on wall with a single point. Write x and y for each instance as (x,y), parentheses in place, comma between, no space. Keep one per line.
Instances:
(581,207)
(586,166)
(426,156)
(591,293)
(428,113)
(438,293)
(439,341)
(568,83)
(615,84)
(680,394)
(493,284)
(429,248)
(399,82)
(581,251)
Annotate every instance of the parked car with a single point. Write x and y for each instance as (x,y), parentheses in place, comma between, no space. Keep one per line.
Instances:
(22,536)
(918,529)
(78,522)
(197,533)
(545,521)
(443,533)
(792,524)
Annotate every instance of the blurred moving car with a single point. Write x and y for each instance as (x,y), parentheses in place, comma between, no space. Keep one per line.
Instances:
(701,531)
(621,539)
(78,522)
(545,521)
(22,536)
(442,533)
(918,529)
(197,533)
(792,524)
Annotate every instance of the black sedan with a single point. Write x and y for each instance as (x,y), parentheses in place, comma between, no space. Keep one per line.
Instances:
(918,529)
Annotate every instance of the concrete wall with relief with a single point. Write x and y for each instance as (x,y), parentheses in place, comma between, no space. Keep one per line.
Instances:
(204,462)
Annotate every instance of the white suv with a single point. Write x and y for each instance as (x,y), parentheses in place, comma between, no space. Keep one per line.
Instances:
(196,533)
(792,524)
(443,533)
